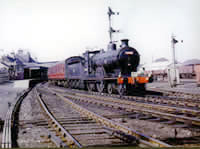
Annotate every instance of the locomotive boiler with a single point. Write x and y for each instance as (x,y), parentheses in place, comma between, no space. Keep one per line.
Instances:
(123,60)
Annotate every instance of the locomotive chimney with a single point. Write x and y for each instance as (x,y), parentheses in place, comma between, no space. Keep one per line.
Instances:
(124,43)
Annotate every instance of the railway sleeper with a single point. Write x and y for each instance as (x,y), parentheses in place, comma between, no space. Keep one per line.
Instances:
(53,123)
(143,139)
(156,114)
(176,111)
(126,138)
(55,140)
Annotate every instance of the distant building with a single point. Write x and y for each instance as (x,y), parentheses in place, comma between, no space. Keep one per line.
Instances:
(159,67)
(16,63)
(191,62)
(4,76)
(158,64)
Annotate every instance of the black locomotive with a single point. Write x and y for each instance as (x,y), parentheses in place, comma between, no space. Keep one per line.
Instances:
(113,70)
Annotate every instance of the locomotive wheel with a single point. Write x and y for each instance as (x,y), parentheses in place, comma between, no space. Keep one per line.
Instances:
(73,84)
(109,88)
(121,90)
(90,87)
(66,84)
(70,84)
(76,84)
(100,87)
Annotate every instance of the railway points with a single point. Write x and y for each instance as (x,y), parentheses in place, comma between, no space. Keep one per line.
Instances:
(168,113)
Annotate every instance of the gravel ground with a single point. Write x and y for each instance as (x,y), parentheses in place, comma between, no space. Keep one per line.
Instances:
(8,93)
(30,135)
(187,86)
(154,129)
(87,136)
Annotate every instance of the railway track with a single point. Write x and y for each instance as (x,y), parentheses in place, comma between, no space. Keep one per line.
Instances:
(183,103)
(86,130)
(79,128)
(187,113)
(70,141)
(9,123)
(178,94)
(108,130)
(187,116)
(178,101)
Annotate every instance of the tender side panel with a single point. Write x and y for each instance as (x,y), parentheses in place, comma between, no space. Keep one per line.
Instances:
(75,68)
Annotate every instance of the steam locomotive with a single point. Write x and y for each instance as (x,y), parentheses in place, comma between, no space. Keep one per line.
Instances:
(113,70)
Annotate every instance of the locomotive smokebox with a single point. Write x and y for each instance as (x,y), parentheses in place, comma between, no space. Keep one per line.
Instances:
(124,43)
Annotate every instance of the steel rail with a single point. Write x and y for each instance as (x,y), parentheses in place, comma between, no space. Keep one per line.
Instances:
(154,99)
(10,120)
(63,133)
(175,93)
(145,105)
(139,104)
(169,101)
(158,99)
(146,140)
(6,138)
(165,115)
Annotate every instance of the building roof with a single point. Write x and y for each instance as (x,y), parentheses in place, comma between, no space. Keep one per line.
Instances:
(162,59)
(191,62)
(38,65)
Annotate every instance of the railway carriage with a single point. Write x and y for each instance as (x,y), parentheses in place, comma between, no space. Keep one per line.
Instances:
(56,73)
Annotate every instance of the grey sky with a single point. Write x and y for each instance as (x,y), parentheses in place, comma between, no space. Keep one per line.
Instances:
(57,29)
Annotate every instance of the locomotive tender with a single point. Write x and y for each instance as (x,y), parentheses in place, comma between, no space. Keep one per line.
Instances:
(114,70)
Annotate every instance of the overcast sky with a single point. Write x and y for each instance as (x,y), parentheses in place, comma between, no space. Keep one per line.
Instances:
(57,29)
